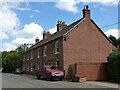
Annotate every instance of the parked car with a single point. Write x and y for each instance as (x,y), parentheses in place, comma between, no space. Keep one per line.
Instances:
(18,71)
(50,72)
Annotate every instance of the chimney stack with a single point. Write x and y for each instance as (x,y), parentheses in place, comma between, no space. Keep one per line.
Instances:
(46,34)
(86,12)
(36,40)
(61,25)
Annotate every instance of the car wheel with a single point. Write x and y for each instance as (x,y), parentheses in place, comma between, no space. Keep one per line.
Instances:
(38,76)
(47,78)
(60,79)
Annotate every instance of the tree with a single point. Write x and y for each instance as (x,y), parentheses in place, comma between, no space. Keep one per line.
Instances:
(118,42)
(114,40)
(13,59)
(114,66)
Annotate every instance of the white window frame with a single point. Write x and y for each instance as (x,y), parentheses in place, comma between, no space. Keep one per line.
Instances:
(23,57)
(23,67)
(44,51)
(38,53)
(38,66)
(31,67)
(31,54)
(28,56)
(57,47)
(27,67)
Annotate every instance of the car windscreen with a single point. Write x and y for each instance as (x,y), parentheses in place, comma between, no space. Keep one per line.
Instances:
(50,67)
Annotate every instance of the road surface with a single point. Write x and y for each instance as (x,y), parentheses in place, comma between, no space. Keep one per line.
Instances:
(26,81)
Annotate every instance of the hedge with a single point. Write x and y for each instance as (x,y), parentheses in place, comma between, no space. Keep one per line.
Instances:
(114,66)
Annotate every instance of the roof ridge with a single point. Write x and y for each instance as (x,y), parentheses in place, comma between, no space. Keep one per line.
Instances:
(55,35)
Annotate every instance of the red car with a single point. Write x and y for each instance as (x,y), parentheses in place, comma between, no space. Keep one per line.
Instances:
(50,73)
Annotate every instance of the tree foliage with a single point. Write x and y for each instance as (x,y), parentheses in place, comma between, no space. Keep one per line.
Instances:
(116,42)
(114,66)
(12,59)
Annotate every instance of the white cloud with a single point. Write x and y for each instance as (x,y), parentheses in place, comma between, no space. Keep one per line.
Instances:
(53,30)
(104,2)
(8,20)
(19,41)
(8,46)
(23,9)
(31,16)
(71,5)
(68,5)
(25,35)
(36,11)
(3,35)
(29,30)
(113,32)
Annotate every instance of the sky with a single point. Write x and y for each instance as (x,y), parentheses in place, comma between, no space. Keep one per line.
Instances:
(22,21)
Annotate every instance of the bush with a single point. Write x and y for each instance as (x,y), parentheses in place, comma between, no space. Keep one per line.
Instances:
(114,66)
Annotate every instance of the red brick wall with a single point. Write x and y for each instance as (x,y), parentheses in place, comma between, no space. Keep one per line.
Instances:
(85,44)
(50,55)
(92,71)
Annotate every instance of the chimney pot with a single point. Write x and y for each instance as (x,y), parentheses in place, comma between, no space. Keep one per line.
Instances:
(36,40)
(61,25)
(86,7)
(46,34)
(86,12)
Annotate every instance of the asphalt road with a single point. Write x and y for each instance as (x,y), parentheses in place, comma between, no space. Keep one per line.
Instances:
(24,81)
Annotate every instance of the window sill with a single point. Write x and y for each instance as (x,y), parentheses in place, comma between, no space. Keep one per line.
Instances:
(56,52)
(44,56)
(38,57)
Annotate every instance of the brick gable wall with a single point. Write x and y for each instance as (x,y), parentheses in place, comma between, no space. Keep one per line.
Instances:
(85,44)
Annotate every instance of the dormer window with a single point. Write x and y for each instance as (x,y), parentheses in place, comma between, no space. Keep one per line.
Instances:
(56,47)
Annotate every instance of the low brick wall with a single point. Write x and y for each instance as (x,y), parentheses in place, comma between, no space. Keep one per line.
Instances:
(92,71)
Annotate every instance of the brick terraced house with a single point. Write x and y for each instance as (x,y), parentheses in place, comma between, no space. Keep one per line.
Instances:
(80,42)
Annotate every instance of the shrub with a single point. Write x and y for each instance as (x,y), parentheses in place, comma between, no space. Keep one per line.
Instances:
(114,66)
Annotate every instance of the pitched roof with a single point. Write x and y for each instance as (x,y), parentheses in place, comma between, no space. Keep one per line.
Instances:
(101,31)
(63,32)
(55,35)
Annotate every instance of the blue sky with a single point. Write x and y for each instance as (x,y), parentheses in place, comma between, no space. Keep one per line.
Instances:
(22,22)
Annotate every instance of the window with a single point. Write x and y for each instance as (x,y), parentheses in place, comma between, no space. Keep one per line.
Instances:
(31,67)
(31,54)
(24,58)
(57,63)
(23,67)
(38,66)
(56,47)
(38,54)
(28,68)
(44,51)
(45,63)
(51,62)
(28,56)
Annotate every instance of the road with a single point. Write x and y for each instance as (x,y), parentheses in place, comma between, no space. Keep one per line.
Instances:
(24,81)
